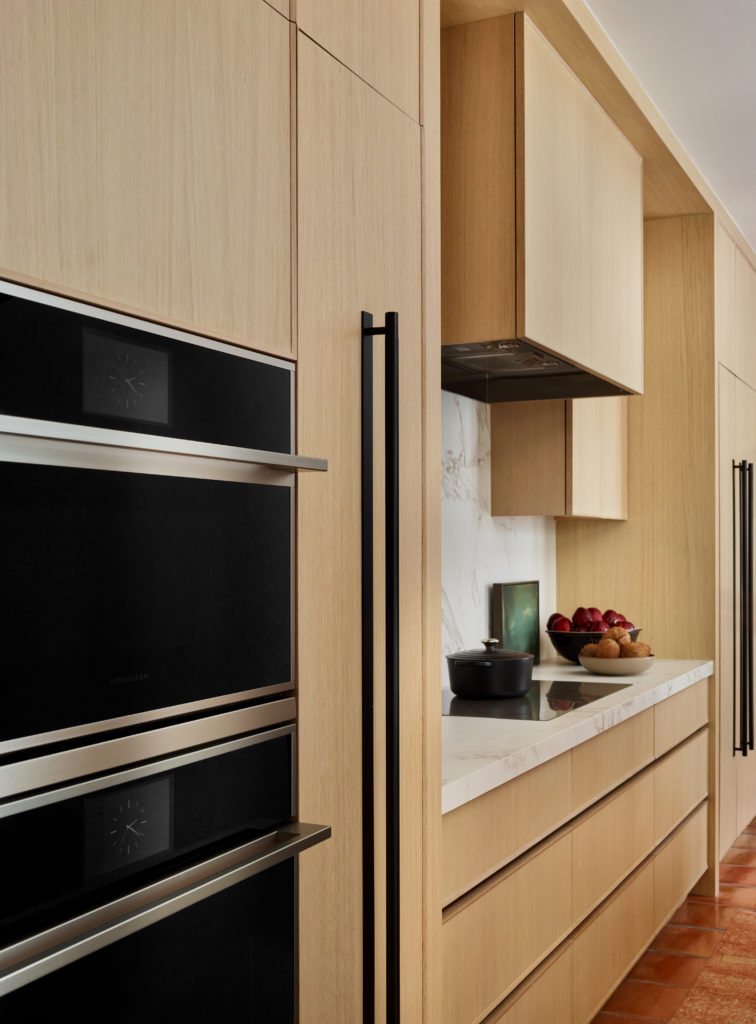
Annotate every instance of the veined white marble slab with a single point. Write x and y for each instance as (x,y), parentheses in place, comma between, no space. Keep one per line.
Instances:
(479,754)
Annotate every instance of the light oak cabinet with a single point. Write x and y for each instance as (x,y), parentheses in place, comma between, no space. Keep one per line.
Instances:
(145,162)
(560,458)
(541,205)
(735,309)
(626,842)
(377,39)
(358,226)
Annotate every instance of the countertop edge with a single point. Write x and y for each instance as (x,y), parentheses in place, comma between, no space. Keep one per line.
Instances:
(498,751)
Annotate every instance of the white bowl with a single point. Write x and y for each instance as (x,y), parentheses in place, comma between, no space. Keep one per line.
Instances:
(616,666)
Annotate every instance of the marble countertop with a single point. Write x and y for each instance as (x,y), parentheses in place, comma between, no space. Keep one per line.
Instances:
(479,754)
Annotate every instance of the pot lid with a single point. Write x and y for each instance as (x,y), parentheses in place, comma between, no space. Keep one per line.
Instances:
(491,652)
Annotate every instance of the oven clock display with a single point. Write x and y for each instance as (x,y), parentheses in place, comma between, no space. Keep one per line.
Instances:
(126,825)
(129,827)
(124,379)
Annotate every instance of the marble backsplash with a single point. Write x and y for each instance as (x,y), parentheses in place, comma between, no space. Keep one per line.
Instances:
(477,549)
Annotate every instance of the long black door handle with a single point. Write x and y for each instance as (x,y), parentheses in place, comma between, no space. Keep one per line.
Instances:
(749,602)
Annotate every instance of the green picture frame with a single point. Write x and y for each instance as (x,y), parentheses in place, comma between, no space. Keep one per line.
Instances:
(515,616)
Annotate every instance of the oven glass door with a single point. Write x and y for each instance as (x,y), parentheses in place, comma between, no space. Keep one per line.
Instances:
(226,959)
(129,592)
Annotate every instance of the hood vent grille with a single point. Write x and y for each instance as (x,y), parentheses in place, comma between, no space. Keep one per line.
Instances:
(516,371)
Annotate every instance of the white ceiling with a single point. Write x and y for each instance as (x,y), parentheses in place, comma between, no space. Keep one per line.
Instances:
(697,61)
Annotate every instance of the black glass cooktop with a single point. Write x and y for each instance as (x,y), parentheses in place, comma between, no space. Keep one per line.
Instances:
(546,699)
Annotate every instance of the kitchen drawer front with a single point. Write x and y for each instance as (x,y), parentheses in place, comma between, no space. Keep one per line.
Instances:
(680,783)
(495,936)
(601,764)
(546,997)
(679,864)
(679,716)
(610,842)
(482,836)
(610,942)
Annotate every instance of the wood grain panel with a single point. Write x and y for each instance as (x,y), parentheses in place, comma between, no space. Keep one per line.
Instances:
(610,942)
(596,446)
(726,337)
(681,782)
(359,191)
(377,39)
(579,291)
(483,835)
(601,764)
(528,458)
(496,935)
(678,865)
(680,715)
(728,776)
(610,842)
(543,997)
(430,116)
(659,567)
(145,162)
(478,182)
(672,184)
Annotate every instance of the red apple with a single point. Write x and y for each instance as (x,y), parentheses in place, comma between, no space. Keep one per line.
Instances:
(613,618)
(581,629)
(561,625)
(595,614)
(553,618)
(581,617)
(599,626)
(627,625)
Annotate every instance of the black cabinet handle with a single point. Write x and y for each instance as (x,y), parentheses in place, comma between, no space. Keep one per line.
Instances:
(391,441)
(742,605)
(748,624)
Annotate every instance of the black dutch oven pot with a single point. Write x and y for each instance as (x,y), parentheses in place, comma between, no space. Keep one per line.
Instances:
(491,673)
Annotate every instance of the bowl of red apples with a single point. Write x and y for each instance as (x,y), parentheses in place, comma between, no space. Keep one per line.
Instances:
(586,626)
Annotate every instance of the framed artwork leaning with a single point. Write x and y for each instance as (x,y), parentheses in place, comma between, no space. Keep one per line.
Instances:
(514,616)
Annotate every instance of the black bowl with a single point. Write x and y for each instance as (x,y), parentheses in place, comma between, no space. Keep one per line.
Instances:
(569,645)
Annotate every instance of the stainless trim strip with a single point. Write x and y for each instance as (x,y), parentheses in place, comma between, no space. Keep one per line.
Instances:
(41,954)
(52,769)
(69,792)
(151,326)
(52,430)
(39,452)
(142,718)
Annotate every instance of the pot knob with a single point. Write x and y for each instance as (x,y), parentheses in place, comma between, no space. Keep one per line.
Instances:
(491,643)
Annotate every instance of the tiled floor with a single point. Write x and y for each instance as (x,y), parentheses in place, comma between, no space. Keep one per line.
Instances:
(701,967)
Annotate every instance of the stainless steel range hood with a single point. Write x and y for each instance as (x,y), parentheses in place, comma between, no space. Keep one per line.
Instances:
(516,371)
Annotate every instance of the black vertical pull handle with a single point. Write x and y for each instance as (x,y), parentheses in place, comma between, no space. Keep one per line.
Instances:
(749,602)
(743,594)
(391,332)
(735,594)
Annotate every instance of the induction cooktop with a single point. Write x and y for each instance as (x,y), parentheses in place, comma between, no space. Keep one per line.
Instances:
(545,700)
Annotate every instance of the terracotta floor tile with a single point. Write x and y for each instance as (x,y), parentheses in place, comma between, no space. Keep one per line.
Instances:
(738,896)
(645,1000)
(704,915)
(702,1007)
(748,841)
(737,875)
(668,968)
(744,856)
(679,938)
(739,941)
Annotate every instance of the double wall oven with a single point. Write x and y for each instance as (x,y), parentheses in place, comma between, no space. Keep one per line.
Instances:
(148,736)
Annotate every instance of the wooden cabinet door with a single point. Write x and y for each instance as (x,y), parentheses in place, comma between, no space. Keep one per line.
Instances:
(377,39)
(560,458)
(358,167)
(579,221)
(745,405)
(145,162)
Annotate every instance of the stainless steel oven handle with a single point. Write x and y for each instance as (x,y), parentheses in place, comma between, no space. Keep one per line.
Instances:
(42,954)
(155,443)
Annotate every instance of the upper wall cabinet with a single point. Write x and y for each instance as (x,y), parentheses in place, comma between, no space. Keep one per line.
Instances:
(377,39)
(542,232)
(735,309)
(146,159)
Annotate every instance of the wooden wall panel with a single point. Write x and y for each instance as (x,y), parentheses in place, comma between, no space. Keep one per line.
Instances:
(359,233)
(145,160)
(669,539)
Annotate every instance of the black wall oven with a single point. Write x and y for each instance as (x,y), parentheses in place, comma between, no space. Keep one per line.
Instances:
(148,741)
